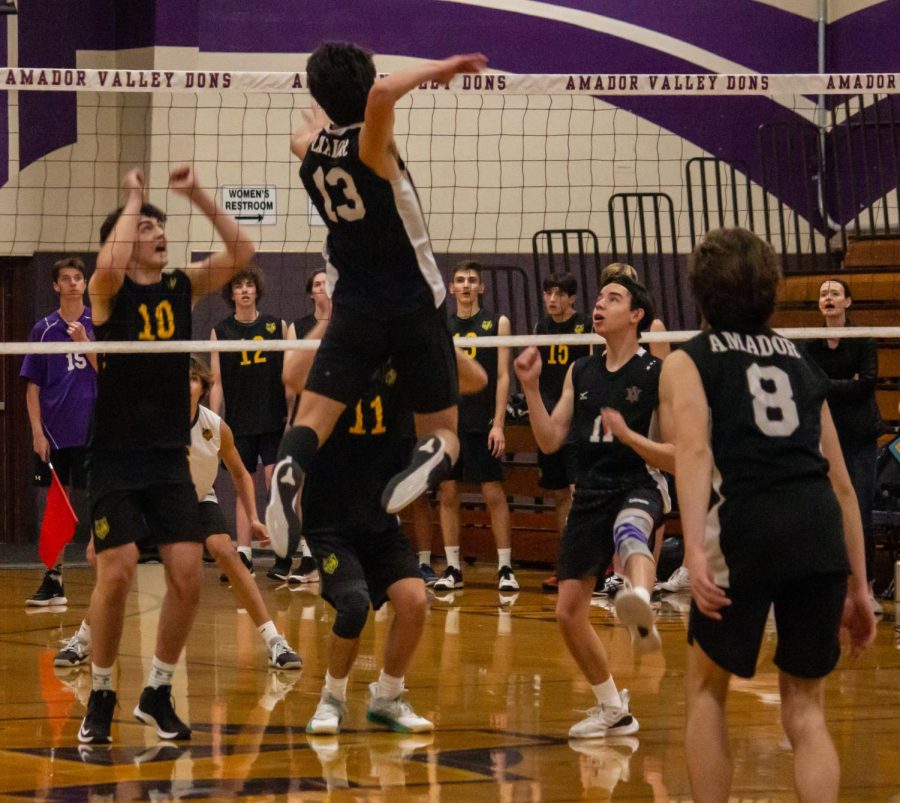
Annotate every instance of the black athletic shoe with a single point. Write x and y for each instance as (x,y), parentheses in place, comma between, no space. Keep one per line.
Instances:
(281,570)
(429,465)
(51,590)
(155,708)
(97,721)
(283,511)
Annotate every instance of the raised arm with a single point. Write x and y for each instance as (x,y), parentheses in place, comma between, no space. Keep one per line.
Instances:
(313,121)
(550,430)
(376,139)
(215,270)
(116,253)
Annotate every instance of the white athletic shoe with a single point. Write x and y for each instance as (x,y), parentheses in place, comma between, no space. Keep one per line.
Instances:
(636,614)
(74,652)
(283,511)
(680,580)
(396,713)
(606,720)
(328,715)
(425,470)
(507,580)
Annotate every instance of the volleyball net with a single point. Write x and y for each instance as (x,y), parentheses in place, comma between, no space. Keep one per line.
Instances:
(528,174)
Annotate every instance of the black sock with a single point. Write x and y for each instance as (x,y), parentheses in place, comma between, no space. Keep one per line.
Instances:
(300,444)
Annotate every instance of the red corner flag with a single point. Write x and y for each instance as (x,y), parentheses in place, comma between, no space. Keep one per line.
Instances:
(58,525)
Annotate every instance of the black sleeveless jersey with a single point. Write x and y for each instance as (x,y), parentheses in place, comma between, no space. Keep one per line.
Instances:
(378,242)
(604,463)
(251,380)
(303,326)
(143,400)
(774,514)
(556,359)
(370,443)
(476,411)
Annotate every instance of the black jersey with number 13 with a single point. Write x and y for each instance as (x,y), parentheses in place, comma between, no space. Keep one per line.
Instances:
(378,250)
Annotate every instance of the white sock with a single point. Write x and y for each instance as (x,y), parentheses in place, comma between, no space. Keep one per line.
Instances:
(84,633)
(425,557)
(160,674)
(268,632)
(388,686)
(336,687)
(101,678)
(246,551)
(606,692)
(504,557)
(305,551)
(452,553)
(642,592)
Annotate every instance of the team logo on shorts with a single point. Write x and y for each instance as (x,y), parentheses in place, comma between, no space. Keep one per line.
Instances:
(207,434)
(487,325)
(633,394)
(330,565)
(579,328)
(101,528)
(270,327)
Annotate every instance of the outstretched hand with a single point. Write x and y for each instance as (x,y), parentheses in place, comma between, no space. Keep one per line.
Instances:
(183,180)
(134,181)
(454,65)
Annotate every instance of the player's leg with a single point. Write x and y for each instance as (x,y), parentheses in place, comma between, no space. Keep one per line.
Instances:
(706,733)
(392,573)
(451,524)
(807,617)
(632,533)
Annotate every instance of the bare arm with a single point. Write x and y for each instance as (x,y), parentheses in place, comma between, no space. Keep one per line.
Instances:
(660,455)
(681,390)
(659,350)
(376,139)
(115,254)
(496,437)
(858,617)
(289,394)
(297,362)
(217,269)
(240,477)
(550,430)
(314,120)
(33,405)
(472,376)
(216,394)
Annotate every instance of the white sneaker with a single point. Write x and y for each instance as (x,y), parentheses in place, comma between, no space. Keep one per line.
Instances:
(74,652)
(606,720)
(507,579)
(679,580)
(281,656)
(636,614)
(428,466)
(328,715)
(396,713)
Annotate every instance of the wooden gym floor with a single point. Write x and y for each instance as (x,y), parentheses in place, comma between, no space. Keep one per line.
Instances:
(495,678)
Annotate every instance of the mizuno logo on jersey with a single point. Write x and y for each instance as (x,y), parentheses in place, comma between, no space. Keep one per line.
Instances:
(582,396)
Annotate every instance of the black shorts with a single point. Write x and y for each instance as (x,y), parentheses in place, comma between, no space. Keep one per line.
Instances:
(476,463)
(808,615)
(587,546)
(69,464)
(373,560)
(211,520)
(157,515)
(255,449)
(356,345)
(557,471)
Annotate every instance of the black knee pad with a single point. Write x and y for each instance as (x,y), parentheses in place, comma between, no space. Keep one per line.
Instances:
(352,609)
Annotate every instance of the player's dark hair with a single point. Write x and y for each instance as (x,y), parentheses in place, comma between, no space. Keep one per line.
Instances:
(339,76)
(734,278)
(250,273)
(68,262)
(310,280)
(640,298)
(147,210)
(842,283)
(566,282)
(200,369)
(467,265)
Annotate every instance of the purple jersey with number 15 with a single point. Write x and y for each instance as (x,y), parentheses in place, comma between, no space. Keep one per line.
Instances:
(67,382)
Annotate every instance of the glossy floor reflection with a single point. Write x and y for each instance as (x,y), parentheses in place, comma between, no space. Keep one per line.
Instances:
(491,672)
